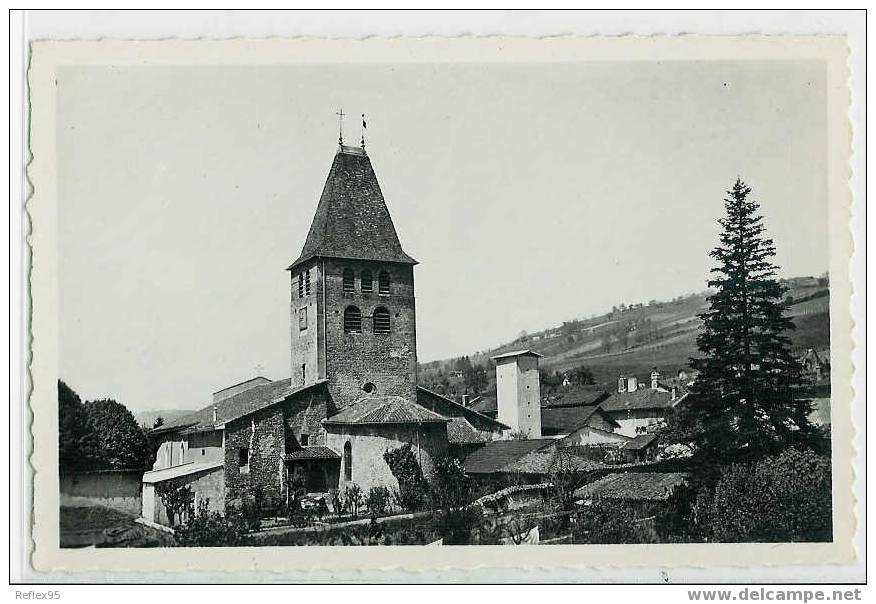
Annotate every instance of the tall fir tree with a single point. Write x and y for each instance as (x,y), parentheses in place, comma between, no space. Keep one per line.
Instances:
(743,404)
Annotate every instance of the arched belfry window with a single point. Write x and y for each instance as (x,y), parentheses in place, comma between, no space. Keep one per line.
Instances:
(348,461)
(383,283)
(352,320)
(367,282)
(349,281)
(381,320)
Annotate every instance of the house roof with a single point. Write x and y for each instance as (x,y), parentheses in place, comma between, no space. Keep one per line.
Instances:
(235,407)
(545,460)
(454,408)
(486,403)
(460,432)
(639,442)
(517,353)
(377,409)
(568,419)
(259,380)
(634,486)
(351,219)
(495,455)
(644,398)
(577,396)
(308,453)
(185,469)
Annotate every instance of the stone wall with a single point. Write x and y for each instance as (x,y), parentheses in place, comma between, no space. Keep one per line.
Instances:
(116,489)
(369,443)
(262,434)
(306,333)
(389,361)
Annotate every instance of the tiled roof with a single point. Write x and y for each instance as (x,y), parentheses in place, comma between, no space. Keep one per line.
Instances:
(577,396)
(237,406)
(544,461)
(452,408)
(385,410)
(306,453)
(351,219)
(460,432)
(567,419)
(495,455)
(644,398)
(633,486)
(639,442)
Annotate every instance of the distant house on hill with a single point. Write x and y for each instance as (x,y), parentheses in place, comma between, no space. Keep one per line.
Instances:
(815,366)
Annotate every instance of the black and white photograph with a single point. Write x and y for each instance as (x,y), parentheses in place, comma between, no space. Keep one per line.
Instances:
(397,297)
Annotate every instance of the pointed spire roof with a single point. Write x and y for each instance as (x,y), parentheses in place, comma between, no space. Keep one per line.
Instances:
(352,220)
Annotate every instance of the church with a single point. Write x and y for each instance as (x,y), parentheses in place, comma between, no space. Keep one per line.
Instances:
(352,393)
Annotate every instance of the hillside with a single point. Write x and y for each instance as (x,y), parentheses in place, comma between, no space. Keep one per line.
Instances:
(147,418)
(635,338)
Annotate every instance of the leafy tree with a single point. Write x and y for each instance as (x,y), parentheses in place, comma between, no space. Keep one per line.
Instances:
(120,440)
(413,490)
(76,443)
(176,498)
(742,402)
(581,376)
(378,501)
(451,487)
(783,498)
(159,421)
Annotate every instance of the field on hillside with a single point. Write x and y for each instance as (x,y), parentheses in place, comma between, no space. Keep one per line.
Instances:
(636,338)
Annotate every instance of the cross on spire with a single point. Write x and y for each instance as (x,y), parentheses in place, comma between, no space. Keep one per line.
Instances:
(340,113)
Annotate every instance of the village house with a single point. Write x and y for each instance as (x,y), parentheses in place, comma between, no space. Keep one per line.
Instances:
(352,393)
(640,409)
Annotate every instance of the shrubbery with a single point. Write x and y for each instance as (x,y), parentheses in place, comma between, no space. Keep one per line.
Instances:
(784,498)
(413,490)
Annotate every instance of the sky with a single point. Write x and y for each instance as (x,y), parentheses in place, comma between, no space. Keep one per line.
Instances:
(530,194)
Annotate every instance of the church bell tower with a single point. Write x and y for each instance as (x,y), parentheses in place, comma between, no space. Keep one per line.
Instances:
(353,318)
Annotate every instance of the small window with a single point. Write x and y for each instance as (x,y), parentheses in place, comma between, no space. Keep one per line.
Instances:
(352,320)
(348,461)
(383,283)
(381,320)
(307,282)
(367,282)
(302,318)
(349,281)
(243,458)
(369,388)
(303,373)
(304,439)
(300,285)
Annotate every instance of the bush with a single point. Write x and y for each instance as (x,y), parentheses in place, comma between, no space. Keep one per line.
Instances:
(614,522)
(353,499)
(211,529)
(783,498)
(378,501)
(451,487)
(413,490)
(177,500)
(456,525)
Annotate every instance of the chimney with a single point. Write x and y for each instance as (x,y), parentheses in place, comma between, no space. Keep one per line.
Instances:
(518,392)
(673,393)
(215,414)
(621,384)
(465,400)
(632,384)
